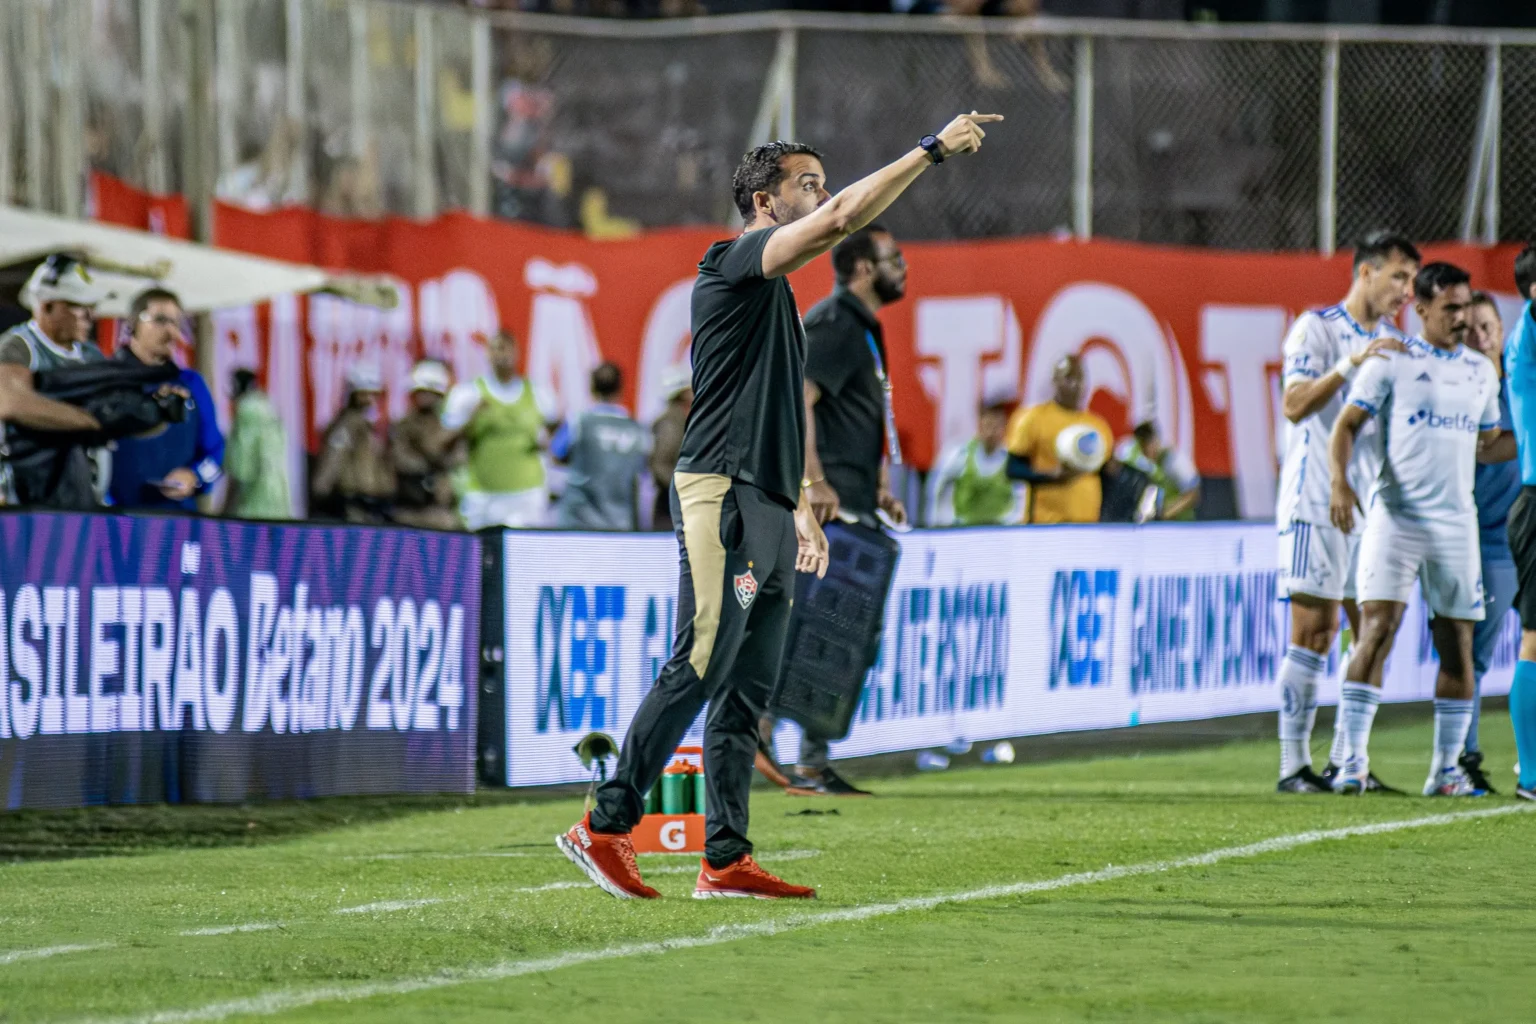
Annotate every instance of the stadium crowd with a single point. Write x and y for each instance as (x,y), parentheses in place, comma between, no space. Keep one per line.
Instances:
(492,452)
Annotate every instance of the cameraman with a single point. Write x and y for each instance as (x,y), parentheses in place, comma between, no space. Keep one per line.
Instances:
(61,295)
(169,467)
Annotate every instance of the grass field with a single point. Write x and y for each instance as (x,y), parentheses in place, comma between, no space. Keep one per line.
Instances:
(462,910)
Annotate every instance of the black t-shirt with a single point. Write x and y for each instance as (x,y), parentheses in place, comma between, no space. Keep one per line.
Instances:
(748,417)
(850,416)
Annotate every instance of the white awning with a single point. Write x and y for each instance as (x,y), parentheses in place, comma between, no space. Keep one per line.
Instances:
(126,261)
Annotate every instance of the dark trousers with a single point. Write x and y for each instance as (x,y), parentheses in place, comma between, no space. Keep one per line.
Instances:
(733,601)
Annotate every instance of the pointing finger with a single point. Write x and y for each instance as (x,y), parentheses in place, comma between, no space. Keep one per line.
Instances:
(976,118)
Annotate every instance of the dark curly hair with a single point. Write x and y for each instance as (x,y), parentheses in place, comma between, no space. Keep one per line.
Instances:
(761,170)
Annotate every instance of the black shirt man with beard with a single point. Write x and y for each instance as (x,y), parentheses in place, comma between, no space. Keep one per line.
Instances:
(852,424)
(743,520)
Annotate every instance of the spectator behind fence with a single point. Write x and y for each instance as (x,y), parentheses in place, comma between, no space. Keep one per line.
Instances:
(170,467)
(256,457)
(502,417)
(1168,468)
(354,480)
(606,451)
(667,442)
(425,453)
(970,486)
(60,293)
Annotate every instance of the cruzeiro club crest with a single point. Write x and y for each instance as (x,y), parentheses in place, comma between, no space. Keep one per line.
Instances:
(746,588)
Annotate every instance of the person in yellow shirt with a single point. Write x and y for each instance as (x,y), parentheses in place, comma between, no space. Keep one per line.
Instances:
(1058,494)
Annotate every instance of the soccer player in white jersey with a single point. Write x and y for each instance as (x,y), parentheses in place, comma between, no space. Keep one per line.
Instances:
(1438,404)
(1323,354)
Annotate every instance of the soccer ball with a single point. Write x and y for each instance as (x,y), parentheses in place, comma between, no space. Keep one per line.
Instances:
(1081,448)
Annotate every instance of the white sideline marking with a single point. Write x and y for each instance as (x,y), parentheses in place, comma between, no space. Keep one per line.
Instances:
(556,885)
(289,999)
(230,929)
(453,856)
(47,951)
(386,906)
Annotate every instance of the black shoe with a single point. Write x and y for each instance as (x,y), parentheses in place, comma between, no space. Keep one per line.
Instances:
(1471,762)
(1521,793)
(1375,785)
(824,781)
(1372,783)
(1304,781)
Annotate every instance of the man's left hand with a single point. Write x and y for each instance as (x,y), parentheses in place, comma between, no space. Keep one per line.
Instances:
(179,484)
(811,542)
(892,506)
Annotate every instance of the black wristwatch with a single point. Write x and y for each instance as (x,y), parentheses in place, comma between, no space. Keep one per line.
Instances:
(930,145)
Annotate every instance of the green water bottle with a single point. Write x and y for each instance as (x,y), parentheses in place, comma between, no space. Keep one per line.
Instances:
(676,793)
(698,793)
(653,799)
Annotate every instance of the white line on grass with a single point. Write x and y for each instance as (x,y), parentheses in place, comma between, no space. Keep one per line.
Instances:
(427,855)
(386,906)
(288,999)
(556,885)
(231,929)
(47,951)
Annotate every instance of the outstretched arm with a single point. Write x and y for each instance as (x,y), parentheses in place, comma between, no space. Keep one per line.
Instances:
(794,245)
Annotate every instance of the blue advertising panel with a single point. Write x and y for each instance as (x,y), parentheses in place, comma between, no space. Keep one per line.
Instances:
(188,659)
(989,633)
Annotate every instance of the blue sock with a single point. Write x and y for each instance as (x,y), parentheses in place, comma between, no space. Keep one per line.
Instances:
(1477,715)
(1522,714)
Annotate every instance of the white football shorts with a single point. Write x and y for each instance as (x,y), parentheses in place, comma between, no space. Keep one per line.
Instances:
(1440,556)
(1317,559)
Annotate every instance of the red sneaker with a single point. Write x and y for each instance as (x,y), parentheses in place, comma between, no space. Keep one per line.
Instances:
(743,878)
(609,860)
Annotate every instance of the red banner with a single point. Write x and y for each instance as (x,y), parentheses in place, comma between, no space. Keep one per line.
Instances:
(1189,336)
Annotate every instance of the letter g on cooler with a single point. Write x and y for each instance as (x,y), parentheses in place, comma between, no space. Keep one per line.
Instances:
(674,835)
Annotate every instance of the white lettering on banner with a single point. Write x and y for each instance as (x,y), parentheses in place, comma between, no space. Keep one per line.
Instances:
(106,659)
(343,333)
(159,633)
(163,659)
(664,344)
(236,345)
(221,665)
(961,334)
(1125,352)
(188,693)
(458,315)
(562,343)
(1243,342)
(989,633)
(130,604)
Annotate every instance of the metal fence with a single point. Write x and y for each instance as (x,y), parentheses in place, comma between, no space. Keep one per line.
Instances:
(1259,137)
